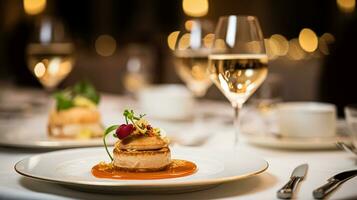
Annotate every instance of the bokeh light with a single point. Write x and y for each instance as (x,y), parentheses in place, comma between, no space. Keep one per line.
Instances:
(279,45)
(54,66)
(308,40)
(295,51)
(188,25)
(328,37)
(208,40)
(184,42)
(324,41)
(34,7)
(105,45)
(172,39)
(39,70)
(347,6)
(195,8)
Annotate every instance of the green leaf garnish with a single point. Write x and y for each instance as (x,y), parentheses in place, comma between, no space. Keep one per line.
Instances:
(107,131)
(65,98)
(87,90)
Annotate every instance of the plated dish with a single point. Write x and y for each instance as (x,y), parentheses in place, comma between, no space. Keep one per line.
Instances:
(72,168)
(141,152)
(74,121)
(75,115)
(141,161)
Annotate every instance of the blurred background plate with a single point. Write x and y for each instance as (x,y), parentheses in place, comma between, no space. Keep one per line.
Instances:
(42,141)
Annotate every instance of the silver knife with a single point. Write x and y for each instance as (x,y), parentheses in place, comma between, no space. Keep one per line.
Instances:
(333,183)
(286,192)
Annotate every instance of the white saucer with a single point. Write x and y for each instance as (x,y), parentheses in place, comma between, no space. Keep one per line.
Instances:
(295,143)
(72,168)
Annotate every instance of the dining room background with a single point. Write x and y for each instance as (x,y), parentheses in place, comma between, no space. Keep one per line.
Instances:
(178,99)
(309,43)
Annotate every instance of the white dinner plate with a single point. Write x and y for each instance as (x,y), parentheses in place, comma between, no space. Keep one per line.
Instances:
(72,168)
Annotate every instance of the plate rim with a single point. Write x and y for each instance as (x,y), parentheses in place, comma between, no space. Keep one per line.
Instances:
(210,181)
(55,144)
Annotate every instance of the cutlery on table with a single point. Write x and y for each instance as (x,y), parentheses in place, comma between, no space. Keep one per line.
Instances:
(333,183)
(349,148)
(287,191)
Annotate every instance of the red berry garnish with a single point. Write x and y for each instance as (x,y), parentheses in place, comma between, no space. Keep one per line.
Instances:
(124,130)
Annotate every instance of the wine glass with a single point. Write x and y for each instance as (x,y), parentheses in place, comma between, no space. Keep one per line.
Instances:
(191,55)
(268,95)
(138,69)
(238,63)
(191,52)
(50,53)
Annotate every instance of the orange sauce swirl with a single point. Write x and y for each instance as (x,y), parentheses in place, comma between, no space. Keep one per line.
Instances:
(177,168)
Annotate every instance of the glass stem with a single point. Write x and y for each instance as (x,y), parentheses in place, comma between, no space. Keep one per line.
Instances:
(198,117)
(236,121)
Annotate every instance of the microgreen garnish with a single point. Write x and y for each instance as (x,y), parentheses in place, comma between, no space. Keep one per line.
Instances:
(107,131)
(129,115)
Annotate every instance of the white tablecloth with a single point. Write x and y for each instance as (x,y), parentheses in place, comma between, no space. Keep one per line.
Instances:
(322,165)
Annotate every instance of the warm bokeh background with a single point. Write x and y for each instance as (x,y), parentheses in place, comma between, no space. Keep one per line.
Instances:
(311,44)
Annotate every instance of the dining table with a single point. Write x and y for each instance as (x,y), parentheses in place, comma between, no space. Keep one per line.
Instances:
(322,163)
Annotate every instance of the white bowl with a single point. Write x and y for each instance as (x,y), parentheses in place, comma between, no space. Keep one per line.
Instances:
(167,101)
(307,119)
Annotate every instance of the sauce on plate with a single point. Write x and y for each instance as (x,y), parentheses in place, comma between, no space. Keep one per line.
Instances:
(177,168)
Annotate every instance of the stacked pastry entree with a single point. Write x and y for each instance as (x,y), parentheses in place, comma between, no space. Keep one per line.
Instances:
(140,148)
(76,115)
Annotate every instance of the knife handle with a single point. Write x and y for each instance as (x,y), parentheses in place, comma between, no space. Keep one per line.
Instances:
(324,190)
(286,192)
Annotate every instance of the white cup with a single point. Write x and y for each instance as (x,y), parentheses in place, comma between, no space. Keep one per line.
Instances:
(306,119)
(166,101)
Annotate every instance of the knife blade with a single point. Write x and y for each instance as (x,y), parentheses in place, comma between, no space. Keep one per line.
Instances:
(287,191)
(333,183)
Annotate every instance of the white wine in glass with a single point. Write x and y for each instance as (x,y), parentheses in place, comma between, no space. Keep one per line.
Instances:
(238,64)
(192,68)
(50,53)
(191,55)
(191,52)
(50,64)
(238,76)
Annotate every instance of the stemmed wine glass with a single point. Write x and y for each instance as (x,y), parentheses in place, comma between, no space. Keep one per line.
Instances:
(191,55)
(50,53)
(191,52)
(238,64)
(138,70)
